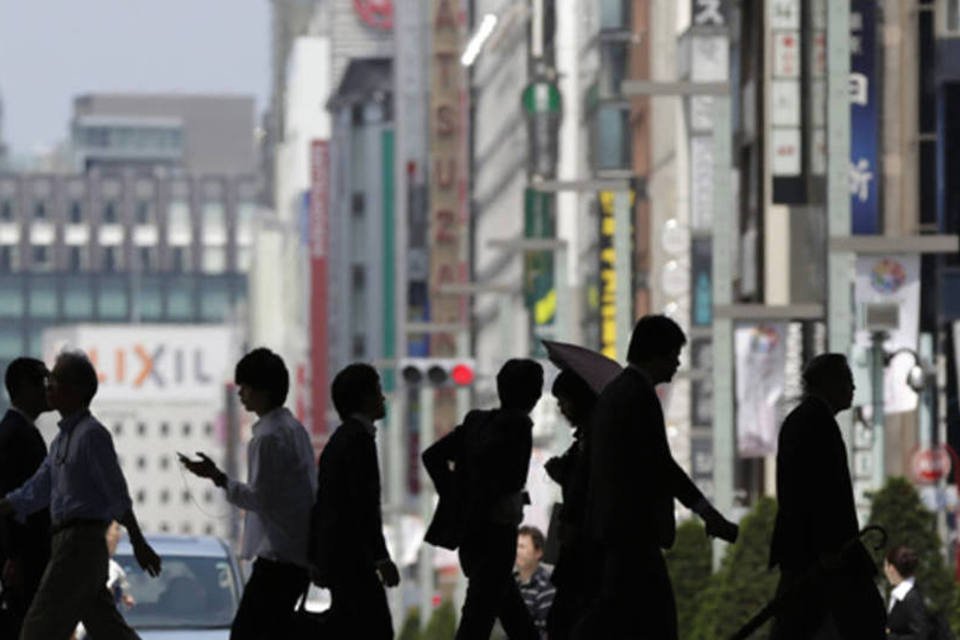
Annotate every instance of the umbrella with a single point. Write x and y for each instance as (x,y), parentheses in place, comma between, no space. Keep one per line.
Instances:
(595,368)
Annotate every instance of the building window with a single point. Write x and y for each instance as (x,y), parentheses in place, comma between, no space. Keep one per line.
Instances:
(146,259)
(113,258)
(6,211)
(77,258)
(214,259)
(612,138)
(112,301)
(181,259)
(614,14)
(214,223)
(359,278)
(43,298)
(77,298)
(164,429)
(614,66)
(141,428)
(42,258)
(244,258)
(9,258)
(359,346)
(110,215)
(144,213)
(40,212)
(76,213)
(186,429)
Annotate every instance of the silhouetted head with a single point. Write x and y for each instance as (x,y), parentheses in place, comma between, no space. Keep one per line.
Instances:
(900,563)
(25,380)
(828,376)
(530,543)
(356,389)
(520,384)
(575,397)
(655,347)
(263,381)
(72,384)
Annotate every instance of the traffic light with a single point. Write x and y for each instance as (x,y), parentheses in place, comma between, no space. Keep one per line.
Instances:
(438,372)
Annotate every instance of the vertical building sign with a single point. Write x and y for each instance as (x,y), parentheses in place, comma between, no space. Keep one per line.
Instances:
(319,331)
(608,278)
(864,118)
(447,152)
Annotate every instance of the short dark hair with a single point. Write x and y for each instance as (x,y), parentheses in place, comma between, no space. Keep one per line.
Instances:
(536,536)
(569,385)
(264,370)
(904,560)
(21,372)
(77,372)
(352,386)
(654,336)
(520,383)
(824,371)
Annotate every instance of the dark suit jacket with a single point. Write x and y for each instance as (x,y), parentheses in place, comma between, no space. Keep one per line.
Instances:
(816,512)
(22,451)
(347,525)
(633,476)
(478,469)
(908,618)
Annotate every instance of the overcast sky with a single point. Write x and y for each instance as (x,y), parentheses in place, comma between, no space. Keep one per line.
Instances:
(52,50)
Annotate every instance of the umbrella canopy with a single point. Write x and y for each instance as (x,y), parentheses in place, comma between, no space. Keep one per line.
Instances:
(595,368)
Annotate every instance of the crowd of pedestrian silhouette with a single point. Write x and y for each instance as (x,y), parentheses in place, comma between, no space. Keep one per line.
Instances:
(321,522)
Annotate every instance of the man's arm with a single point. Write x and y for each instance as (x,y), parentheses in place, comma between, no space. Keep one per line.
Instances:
(146,557)
(438,459)
(33,496)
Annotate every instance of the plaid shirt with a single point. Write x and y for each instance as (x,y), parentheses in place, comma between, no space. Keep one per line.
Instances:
(538,596)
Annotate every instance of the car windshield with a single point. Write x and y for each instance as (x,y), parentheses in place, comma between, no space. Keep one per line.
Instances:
(191,591)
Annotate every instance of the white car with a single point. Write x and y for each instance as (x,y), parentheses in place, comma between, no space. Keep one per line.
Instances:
(195,596)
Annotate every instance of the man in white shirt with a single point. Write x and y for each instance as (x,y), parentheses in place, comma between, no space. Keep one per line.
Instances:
(278,498)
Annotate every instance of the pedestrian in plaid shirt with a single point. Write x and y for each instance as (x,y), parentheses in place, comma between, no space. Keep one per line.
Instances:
(534,577)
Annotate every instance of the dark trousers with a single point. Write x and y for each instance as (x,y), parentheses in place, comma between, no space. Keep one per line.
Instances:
(18,598)
(359,607)
(269,597)
(73,589)
(487,555)
(841,605)
(635,598)
(577,578)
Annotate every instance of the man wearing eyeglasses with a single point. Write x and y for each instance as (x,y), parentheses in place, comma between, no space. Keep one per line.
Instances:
(24,547)
(81,483)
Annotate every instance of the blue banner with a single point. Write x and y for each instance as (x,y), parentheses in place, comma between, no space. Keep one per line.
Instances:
(864,119)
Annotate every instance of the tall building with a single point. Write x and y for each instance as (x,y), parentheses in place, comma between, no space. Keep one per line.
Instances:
(182,133)
(141,259)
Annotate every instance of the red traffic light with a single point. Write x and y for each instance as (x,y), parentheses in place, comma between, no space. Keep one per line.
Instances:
(462,374)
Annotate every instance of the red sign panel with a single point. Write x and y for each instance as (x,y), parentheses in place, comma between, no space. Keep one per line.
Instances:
(319,331)
(375,13)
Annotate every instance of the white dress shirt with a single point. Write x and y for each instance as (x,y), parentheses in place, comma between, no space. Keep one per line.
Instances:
(279,495)
(900,592)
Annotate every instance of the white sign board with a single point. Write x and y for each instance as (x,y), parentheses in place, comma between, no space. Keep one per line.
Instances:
(174,364)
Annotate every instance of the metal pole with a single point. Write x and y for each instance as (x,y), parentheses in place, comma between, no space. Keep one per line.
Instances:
(396,486)
(623,255)
(839,263)
(724,220)
(928,395)
(562,315)
(877,354)
(425,574)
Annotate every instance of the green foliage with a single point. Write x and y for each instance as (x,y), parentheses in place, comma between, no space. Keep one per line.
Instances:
(743,585)
(689,563)
(898,509)
(411,625)
(443,623)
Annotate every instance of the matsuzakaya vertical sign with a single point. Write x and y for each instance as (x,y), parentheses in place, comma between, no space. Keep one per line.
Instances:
(447,225)
(864,118)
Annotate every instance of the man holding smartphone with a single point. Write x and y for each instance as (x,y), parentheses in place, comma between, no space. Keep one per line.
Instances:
(277,498)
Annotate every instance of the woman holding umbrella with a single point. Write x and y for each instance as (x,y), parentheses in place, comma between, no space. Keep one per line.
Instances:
(571,575)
